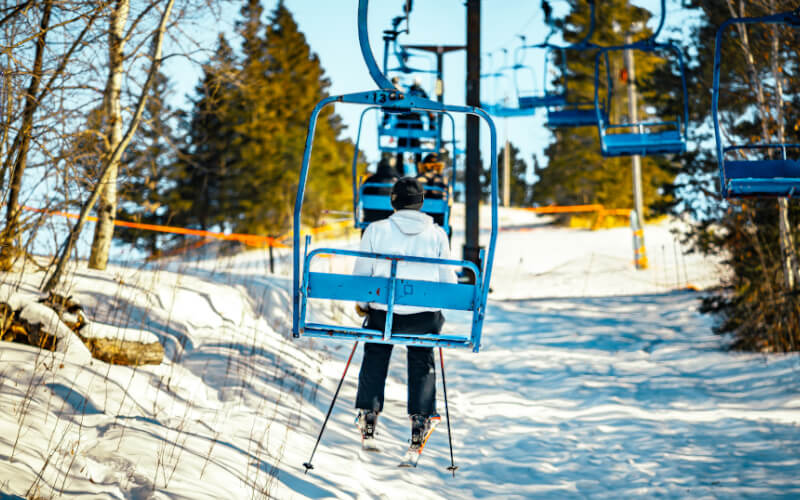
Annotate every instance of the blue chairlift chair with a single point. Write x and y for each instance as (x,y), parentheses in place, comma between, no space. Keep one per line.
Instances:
(747,176)
(308,284)
(382,202)
(641,137)
(580,113)
(532,97)
(404,131)
(390,290)
(431,206)
(572,112)
(499,83)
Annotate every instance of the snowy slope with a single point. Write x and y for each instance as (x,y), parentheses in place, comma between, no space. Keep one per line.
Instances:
(594,380)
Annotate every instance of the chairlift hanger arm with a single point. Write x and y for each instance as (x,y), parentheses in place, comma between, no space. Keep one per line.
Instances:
(583,43)
(650,46)
(366,51)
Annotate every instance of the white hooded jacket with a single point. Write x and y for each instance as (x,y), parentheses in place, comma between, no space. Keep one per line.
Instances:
(406,232)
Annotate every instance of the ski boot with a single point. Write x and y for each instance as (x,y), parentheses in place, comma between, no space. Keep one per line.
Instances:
(366,421)
(421,429)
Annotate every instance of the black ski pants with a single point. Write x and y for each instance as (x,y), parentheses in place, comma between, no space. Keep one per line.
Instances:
(421,367)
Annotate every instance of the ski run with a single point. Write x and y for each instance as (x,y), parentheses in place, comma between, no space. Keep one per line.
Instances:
(594,380)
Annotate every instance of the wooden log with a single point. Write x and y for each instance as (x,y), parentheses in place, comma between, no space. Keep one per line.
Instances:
(124,352)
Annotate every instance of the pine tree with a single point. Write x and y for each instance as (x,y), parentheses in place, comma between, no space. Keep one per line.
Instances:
(194,191)
(145,169)
(282,80)
(238,170)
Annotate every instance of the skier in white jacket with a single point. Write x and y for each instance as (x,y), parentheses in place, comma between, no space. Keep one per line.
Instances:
(407,232)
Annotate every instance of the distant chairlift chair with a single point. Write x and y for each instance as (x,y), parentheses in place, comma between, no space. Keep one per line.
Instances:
(641,137)
(770,177)
(362,201)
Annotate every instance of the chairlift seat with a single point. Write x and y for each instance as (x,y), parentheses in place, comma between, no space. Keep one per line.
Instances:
(541,101)
(408,133)
(770,178)
(753,177)
(390,291)
(572,116)
(646,143)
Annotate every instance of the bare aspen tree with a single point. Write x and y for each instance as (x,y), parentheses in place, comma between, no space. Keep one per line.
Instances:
(23,143)
(112,160)
(32,130)
(107,203)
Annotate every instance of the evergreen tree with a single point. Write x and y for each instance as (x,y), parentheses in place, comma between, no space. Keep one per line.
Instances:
(280,82)
(576,172)
(238,166)
(195,191)
(145,169)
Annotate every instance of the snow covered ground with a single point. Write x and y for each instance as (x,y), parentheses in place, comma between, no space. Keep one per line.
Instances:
(594,381)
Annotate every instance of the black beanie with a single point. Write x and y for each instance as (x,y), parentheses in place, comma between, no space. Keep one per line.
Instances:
(407,193)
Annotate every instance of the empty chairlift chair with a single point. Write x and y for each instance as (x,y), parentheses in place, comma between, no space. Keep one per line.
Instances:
(529,95)
(759,169)
(575,112)
(641,137)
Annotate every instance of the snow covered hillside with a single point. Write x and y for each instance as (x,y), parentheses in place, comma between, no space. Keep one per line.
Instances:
(593,381)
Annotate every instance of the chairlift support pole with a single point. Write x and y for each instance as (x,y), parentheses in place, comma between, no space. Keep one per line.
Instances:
(471,250)
(639,251)
(439,51)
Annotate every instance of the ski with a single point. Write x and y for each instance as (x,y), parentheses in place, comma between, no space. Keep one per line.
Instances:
(369,444)
(411,457)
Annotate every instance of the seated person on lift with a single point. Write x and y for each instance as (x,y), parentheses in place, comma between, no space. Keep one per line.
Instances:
(407,232)
(430,174)
(384,174)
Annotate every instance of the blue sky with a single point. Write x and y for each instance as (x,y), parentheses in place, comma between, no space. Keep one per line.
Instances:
(331,30)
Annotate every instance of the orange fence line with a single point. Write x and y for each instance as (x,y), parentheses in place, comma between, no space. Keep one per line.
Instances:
(552,209)
(596,207)
(247,239)
(602,212)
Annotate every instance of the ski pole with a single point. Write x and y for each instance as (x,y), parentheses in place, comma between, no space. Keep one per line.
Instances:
(453,466)
(308,464)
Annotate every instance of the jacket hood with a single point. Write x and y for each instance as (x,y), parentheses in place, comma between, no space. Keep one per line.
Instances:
(411,221)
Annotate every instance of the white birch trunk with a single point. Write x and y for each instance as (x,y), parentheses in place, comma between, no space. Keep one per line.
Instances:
(115,155)
(789,259)
(107,204)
